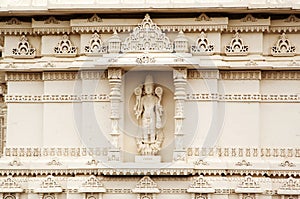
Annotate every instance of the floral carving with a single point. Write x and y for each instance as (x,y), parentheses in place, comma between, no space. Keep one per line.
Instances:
(49,185)
(146,185)
(248,185)
(202,46)
(65,48)
(95,46)
(283,47)
(9,185)
(145,59)
(92,185)
(24,49)
(236,46)
(200,185)
(147,37)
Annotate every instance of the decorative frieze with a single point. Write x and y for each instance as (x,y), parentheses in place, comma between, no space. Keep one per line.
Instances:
(93,75)
(147,37)
(49,185)
(203,74)
(240,75)
(202,46)
(146,185)
(56,76)
(280,75)
(60,76)
(56,98)
(236,46)
(95,46)
(245,152)
(283,47)
(65,48)
(24,76)
(24,49)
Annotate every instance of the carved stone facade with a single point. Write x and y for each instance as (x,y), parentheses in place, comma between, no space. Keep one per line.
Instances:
(99,102)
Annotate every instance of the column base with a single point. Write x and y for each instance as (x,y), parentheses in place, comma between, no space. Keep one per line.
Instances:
(114,155)
(147,159)
(179,155)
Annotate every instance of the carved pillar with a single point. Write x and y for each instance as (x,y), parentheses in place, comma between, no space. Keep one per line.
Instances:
(179,76)
(115,80)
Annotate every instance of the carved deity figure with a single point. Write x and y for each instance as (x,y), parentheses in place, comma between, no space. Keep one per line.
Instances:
(148,111)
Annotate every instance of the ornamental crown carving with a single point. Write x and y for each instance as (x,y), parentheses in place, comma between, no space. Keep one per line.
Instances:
(95,46)
(114,43)
(24,49)
(248,185)
(202,46)
(181,43)
(290,187)
(236,46)
(146,185)
(249,18)
(95,18)
(147,37)
(203,17)
(49,185)
(9,185)
(200,185)
(65,48)
(283,47)
(92,185)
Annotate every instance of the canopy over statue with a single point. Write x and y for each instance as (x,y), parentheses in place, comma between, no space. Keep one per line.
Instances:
(149,111)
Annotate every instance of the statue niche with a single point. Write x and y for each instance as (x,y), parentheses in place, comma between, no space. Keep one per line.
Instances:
(149,111)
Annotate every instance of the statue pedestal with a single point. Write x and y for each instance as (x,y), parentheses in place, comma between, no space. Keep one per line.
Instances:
(147,159)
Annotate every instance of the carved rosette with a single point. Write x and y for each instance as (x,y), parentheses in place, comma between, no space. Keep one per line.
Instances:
(65,48)
(236,46)
(24,49)
(283,47)
(95,46)
(202,46)
(179,76)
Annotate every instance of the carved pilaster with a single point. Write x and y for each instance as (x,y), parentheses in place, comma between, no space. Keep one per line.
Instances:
(115,80)
(179,76)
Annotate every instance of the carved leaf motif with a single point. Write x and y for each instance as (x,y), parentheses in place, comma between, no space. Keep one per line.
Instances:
(65,47)
(236,46)
(202,46)
(283,47)
(24,49)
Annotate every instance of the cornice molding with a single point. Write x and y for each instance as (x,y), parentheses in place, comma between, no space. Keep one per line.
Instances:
(249,24)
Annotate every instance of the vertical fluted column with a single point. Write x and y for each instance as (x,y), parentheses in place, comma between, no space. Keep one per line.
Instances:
(179,76)
(115,81)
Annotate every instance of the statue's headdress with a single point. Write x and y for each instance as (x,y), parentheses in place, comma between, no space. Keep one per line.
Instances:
(149,79)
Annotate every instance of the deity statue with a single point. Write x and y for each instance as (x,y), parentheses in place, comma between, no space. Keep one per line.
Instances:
(148,111)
